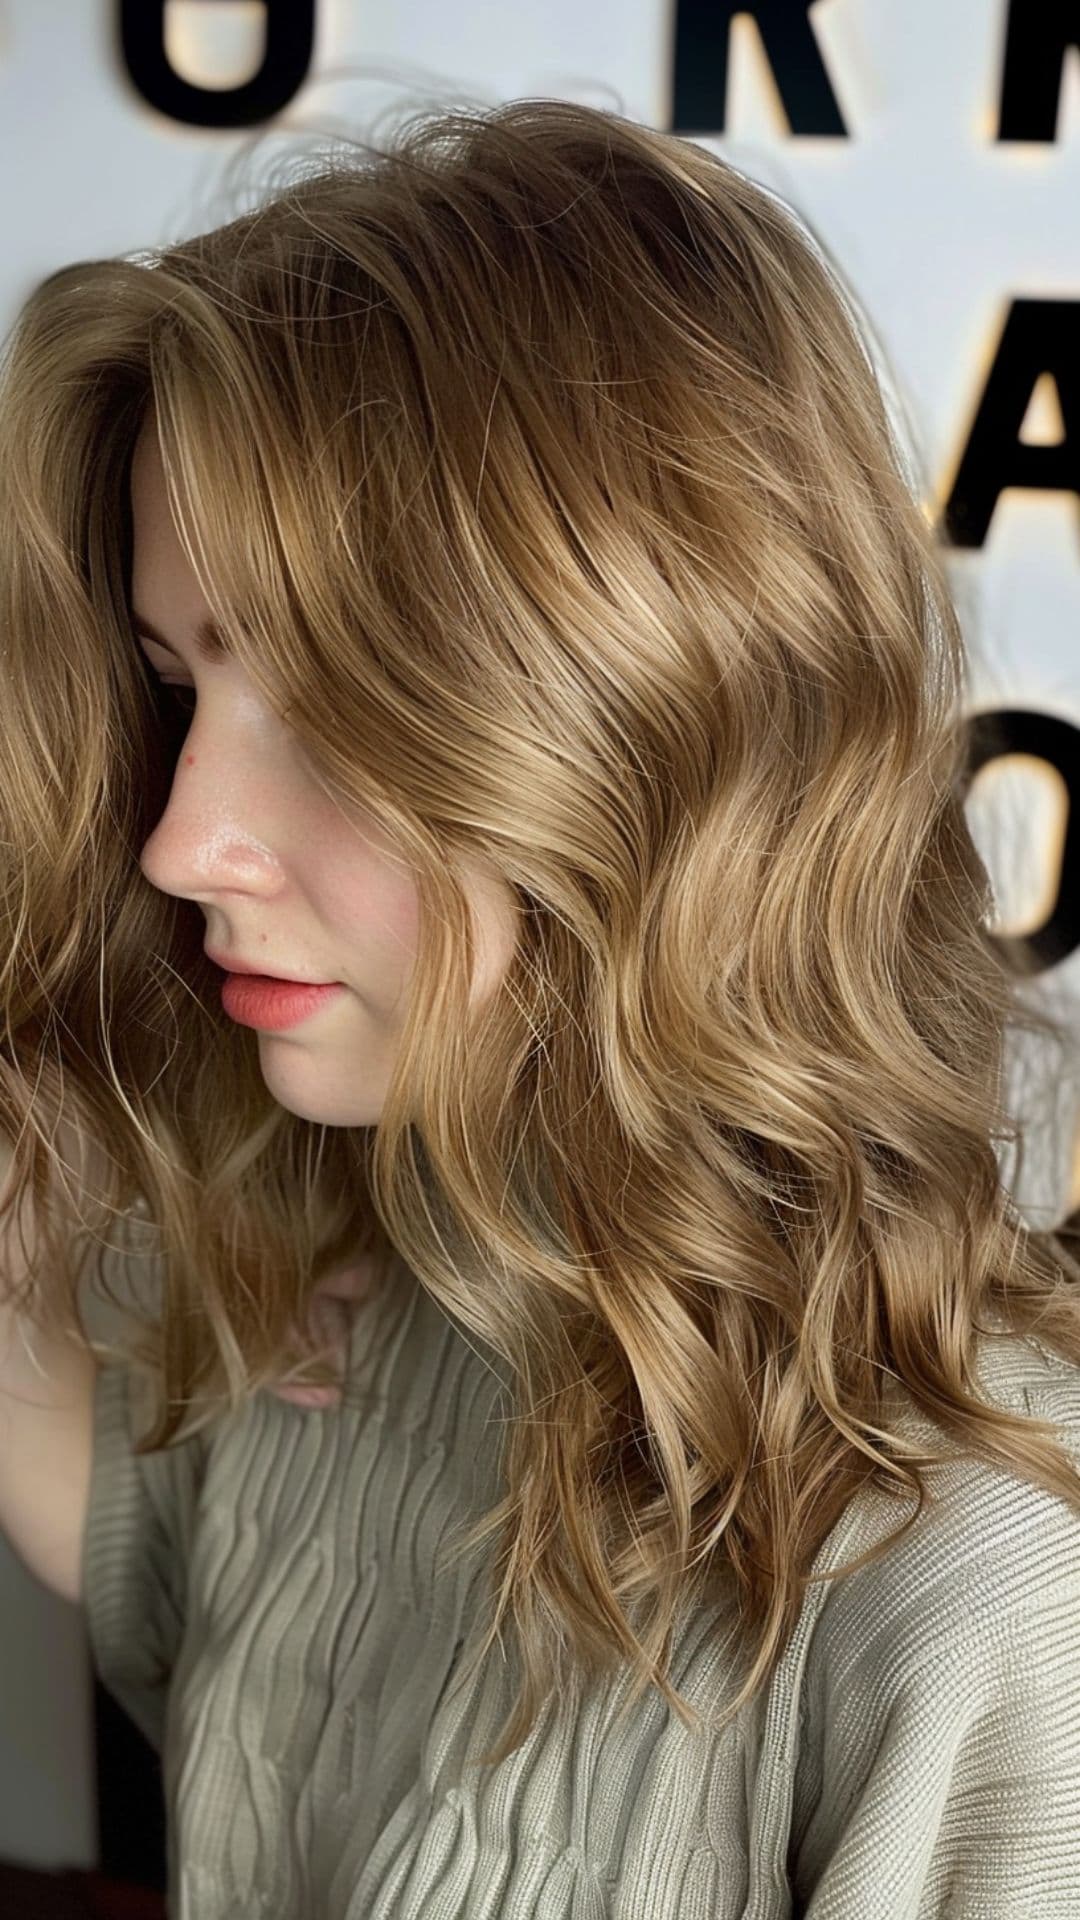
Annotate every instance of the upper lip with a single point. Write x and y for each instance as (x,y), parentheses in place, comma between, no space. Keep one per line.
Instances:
(244,966)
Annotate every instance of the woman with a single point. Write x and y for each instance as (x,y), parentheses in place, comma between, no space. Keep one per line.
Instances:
(482,582)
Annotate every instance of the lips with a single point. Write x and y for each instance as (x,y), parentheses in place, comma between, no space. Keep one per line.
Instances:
(263,972)
(272,1006)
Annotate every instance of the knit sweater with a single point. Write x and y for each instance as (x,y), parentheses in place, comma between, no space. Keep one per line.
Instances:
(263,1599)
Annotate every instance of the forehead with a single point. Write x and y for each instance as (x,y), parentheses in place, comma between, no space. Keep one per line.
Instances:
(149,494)
(164,585)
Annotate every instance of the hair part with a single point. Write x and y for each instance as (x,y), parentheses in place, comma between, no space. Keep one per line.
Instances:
(716,1171)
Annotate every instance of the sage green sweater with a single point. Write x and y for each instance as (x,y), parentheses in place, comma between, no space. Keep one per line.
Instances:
(264,1601)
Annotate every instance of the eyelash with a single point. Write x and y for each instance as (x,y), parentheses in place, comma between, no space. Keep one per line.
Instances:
(175,689)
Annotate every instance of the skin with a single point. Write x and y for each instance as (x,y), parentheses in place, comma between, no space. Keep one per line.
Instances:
(286,881)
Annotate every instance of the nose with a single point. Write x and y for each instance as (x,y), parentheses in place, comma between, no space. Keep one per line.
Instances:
(208,838)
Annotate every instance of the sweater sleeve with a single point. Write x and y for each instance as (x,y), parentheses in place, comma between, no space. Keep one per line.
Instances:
(939,1767)
(959,1797)
(136,1548)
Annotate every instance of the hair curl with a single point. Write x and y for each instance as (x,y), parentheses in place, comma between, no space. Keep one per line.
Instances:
(681,666)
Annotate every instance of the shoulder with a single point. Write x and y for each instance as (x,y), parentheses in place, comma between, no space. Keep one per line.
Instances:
(989,1553)
(938,1769)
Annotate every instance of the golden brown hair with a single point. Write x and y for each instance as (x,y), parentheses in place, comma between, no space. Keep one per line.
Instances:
(540,476)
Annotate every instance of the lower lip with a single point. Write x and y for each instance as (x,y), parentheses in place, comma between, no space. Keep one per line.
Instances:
(257,1001)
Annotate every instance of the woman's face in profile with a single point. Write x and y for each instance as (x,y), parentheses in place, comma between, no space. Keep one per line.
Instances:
(287,883)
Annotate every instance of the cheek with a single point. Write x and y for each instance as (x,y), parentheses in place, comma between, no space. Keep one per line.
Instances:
(372,906)
(398,910)
(497,933)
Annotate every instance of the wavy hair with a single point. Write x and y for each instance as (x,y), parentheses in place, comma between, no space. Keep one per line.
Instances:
(680,665)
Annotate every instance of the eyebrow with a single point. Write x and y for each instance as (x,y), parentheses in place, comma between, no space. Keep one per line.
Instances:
(210,643)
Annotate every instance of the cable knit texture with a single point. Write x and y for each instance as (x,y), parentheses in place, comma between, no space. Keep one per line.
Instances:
(267,1602)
